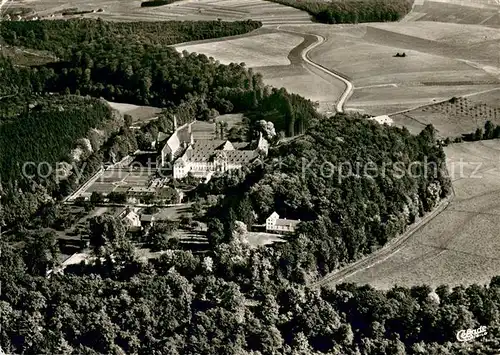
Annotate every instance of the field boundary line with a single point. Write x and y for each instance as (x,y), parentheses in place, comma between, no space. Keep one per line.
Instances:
(388,250)
(417,107)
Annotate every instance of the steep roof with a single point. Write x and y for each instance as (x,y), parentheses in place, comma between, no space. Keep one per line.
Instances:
(240,156)
(274,215)
(203,150)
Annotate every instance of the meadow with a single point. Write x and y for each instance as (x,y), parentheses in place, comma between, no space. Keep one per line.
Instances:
(140,114)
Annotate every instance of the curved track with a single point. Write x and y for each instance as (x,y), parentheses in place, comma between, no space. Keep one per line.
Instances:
(384,253)
(339,106)
(396,244)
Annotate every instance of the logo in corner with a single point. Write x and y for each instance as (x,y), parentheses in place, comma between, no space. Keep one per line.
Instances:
(470,334)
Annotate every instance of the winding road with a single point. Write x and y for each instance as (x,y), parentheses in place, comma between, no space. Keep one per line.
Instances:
(423,243)
(397,243)
(394,245)
(339,106)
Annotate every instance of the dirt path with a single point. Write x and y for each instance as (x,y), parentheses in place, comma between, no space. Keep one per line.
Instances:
(384,253)
(297,56)
(305,58)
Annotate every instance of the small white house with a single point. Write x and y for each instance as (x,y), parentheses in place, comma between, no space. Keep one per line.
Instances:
(280,225)
(133,220)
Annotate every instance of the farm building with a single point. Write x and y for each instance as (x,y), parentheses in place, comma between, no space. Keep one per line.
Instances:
(383,119)
(280,225)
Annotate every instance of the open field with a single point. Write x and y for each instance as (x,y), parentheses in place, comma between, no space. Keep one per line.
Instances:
(305,81)
(484,12)
(461,244)
(256,239)
(279,61)
(233,120)
(443,60)
(371,100)
(491,98)
(203,130)
(448,33)
(226,10)
(262,50)
(450,119)
(139,114)
(437,65)
(231,10)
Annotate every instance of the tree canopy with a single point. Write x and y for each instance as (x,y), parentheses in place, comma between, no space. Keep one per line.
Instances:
(352,11)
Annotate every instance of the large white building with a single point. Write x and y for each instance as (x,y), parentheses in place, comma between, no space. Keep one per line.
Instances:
(280,225)
(206,157)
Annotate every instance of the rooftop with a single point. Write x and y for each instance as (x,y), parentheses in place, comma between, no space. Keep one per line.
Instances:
(287,222)
(147,218)
(142,189)
(204,151)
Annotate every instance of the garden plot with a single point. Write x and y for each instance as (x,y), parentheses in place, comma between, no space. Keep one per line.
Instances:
(118,180)
(460,245)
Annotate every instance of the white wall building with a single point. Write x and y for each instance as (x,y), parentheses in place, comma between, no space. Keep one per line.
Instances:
(179,140)
(205,157)
(280,225)
(132,220)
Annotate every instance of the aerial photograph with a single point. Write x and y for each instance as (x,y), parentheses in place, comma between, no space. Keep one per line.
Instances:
(250,177)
